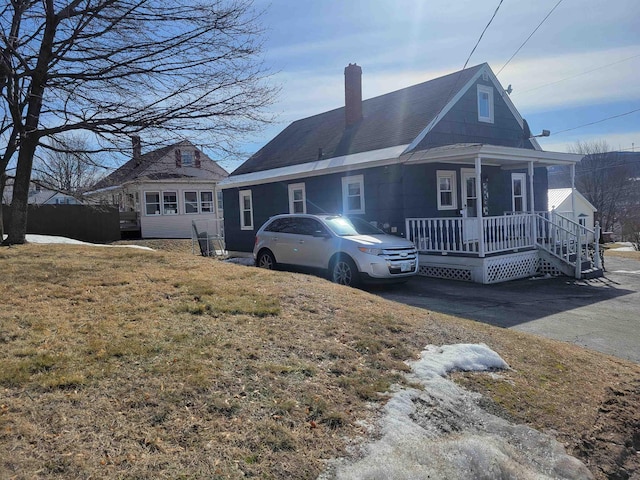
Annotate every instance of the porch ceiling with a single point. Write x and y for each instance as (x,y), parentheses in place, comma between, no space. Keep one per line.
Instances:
(505,157)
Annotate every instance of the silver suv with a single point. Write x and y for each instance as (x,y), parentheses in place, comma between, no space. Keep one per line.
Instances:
(350,249)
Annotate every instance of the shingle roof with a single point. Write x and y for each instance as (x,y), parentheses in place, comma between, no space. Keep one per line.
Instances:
(392,119)
(133,169)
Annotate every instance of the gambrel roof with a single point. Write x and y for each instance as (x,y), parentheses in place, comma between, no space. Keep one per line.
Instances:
(402,117)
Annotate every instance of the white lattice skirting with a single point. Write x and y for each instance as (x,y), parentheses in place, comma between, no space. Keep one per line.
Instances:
(510,267)
(448,272)
(547,268)
(496,269)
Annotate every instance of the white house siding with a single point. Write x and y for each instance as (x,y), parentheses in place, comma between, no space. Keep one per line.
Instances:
(559,200)
(180,224)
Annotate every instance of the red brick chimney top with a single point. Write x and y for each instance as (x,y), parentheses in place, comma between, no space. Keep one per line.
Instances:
(352,93)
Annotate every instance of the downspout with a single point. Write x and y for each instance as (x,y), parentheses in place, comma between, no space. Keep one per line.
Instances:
(481,246)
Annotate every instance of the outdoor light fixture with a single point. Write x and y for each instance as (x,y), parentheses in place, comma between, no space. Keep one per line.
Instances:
(545,133)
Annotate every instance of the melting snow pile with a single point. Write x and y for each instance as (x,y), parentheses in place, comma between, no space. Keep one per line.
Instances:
(442,431)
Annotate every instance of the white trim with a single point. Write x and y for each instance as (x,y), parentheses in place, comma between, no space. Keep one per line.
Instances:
(484,70)
(345,163)
(451,175)
(523,193)
(466,173)
(184,199)
(346,181)
(482,89)
(292,189)
(159,203)
(242,195)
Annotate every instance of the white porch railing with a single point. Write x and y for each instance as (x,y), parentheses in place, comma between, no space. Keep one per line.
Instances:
(563,238)
(467,235)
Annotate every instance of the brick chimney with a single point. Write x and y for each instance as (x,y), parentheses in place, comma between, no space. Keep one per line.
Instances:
(352,94)
(136,147)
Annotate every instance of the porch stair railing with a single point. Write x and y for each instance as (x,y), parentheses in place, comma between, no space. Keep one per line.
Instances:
(572,248)
(568,246)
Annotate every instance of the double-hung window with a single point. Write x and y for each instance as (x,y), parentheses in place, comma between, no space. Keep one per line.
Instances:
(246,210)
(152,203)
(485,104)
(187,158)
(446,190)
(297,198)
(169,203)
(353,194)
(191,202)
(206,202)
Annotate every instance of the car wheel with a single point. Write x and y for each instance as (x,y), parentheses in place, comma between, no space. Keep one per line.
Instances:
(266,260)
(344,272)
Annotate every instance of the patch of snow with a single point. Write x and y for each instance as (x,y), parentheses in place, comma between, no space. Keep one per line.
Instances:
(626,247)
(442,431)
(247,261)
(52,239)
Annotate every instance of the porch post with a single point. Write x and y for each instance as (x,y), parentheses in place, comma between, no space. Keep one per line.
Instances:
(532,239)
(573,191)
(481,246)
(531,196)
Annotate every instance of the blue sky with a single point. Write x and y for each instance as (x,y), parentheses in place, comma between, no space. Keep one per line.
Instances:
(581,66)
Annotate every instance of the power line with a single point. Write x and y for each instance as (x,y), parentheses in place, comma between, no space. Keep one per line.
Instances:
(597,121)
(531,35)
(580,74)
(465,63)
(482,34)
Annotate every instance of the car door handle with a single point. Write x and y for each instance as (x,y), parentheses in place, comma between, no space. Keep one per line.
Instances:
(301,241)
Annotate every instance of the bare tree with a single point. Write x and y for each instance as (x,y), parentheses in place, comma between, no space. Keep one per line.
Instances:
(116,67)
(604,179)
(66,167)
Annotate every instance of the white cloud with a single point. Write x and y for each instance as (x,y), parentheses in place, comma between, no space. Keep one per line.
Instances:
(534,79)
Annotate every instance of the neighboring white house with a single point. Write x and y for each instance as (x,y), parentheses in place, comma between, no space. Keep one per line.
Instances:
(559,201)
(41,196)
(160,193)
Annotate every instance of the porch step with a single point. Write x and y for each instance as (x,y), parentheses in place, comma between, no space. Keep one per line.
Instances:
(592,273)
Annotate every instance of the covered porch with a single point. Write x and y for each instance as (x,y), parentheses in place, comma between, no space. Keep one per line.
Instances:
(469,244)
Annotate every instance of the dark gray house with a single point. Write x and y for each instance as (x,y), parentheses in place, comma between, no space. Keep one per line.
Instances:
(449,164)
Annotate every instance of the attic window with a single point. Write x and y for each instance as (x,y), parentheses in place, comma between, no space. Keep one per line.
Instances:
(485,104)
(187,159)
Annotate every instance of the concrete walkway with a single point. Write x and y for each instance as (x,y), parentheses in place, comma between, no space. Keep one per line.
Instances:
(601,314)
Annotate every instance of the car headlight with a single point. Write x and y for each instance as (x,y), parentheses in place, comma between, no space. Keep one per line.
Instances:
(370,251)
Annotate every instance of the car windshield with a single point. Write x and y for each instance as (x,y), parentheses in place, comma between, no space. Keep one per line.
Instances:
(345,227)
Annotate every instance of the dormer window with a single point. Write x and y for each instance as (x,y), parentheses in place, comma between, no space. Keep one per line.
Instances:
(485,104)
(187,158)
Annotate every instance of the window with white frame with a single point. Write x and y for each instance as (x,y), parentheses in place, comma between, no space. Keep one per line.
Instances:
(485,104)
(152,203)
(353,194)
(206,202)
(170,203)
(446,190)
(191,202)
(519,192)
(246,210)
(220,205)
(187,158)
(297,198)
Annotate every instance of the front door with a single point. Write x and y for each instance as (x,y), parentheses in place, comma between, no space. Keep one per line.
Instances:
(469,205)
(519,192)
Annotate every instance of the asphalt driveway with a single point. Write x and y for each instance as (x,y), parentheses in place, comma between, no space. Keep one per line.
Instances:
(601,314)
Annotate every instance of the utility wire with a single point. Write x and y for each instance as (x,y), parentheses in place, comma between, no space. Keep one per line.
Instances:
(597,121)
(482,34)
(531,35)
(579,74)
(436,118)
